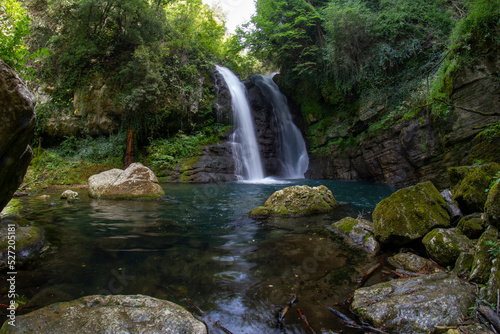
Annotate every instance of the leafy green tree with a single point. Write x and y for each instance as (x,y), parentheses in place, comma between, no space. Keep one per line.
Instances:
(14,29)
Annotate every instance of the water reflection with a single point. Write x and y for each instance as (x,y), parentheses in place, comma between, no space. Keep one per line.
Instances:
(200,243)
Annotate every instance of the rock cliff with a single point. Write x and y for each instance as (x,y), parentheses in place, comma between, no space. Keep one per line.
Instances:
(423,147)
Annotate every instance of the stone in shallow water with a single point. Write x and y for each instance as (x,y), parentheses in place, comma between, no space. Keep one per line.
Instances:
(137,181)
(358,232)
(296,201)
(415,305)
(109,314)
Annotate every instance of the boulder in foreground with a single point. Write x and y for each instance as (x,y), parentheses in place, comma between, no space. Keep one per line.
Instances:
(109,314)
(296,201)
(137,181)
(415,305)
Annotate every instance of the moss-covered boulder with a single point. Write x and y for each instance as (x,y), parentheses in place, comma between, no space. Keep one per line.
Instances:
(296,201)
(445,245)
(358,232)
(472,225)
(468,184)
(490,291)
(415,305)
(409,261)
(464,262)
(108,314)
(481,266)
(492,206)
(135,182)
(409,214)
(28,240)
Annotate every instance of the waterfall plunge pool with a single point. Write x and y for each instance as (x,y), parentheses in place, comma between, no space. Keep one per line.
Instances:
(200,243)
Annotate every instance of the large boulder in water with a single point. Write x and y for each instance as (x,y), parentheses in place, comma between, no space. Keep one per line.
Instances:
(137,181)
(415,305)
(296,201)
(409,214)
(109,314)
(17,127)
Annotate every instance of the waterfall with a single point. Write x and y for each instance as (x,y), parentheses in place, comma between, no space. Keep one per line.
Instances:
(244,141)
(293,155)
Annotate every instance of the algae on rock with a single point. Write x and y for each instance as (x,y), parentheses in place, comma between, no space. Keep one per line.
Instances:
(468,184)
(409,214)
(296,201)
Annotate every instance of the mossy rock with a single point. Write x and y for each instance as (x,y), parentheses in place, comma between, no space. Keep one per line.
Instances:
(296,201)
(358,232)
(468,184)
(490,291)
(464,262)
(29,239)
(481,266)
(445,245)
(409,214)
(492,206)
(472,225)
(409,261)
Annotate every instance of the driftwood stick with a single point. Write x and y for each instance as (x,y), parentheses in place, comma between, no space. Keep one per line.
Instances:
(304,319)
(215,323)
(362,281)
(284,311)
(351,323)
(490,315)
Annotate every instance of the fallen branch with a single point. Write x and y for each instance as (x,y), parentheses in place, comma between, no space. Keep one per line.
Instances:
(351,323)
(304,319)
(490,315)
(284,310)
(215,323)
(362,281)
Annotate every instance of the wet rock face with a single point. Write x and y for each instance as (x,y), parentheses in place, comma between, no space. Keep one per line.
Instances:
(358,232)
(137,181)
(109,314)
(265,127)
(17,127)
(409,214)
(415,305)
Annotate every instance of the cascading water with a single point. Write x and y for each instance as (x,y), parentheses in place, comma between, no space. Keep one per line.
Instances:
(245,148)
(293,155)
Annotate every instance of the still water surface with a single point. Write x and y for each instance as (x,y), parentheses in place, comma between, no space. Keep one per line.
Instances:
(199,243)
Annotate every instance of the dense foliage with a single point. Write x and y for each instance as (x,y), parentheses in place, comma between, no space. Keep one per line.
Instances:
(14,29)
(345,48)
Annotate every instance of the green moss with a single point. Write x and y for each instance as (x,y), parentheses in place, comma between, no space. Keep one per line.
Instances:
(468,184)
(410,213)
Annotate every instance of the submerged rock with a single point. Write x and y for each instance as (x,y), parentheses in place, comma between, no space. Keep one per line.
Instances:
(409,214)
(296,201)
(109,314)
(357,231)
(28,239)
(17,127)
(415,305)
(137,181)
(468,185)
(445,245)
